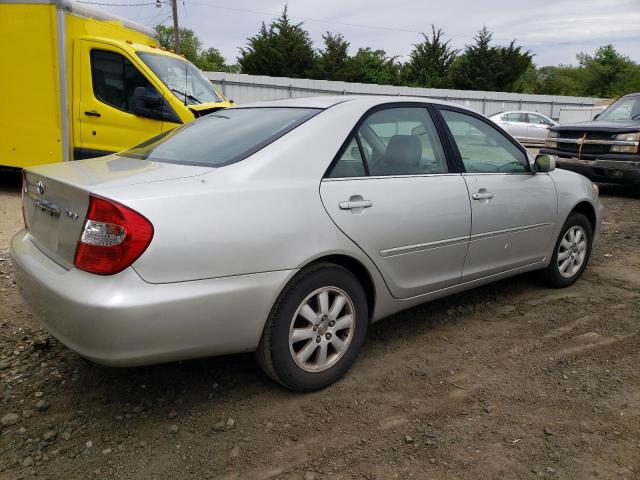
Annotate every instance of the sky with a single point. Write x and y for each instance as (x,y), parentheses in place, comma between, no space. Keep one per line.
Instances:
(554,30)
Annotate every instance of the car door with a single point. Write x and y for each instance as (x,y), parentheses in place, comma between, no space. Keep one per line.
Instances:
(516,124)
(514,211)
(393,192)
(537,127)
(105,112)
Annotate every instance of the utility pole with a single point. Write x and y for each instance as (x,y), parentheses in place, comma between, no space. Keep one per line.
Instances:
(176,31)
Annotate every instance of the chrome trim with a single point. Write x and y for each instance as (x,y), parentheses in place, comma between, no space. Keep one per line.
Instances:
(393,252)
(507,231)
(587,141)
(61,28)
(48,206)
(370,177)
(612,164)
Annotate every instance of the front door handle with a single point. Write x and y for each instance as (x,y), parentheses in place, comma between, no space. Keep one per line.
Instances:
(352,204)
(482,196)
(92,113)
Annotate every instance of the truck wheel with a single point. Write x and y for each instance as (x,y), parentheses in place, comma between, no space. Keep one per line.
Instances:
(571,252)
(315,329)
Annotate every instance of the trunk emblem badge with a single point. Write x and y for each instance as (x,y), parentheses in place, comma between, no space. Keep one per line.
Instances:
(71,215)
(40,188)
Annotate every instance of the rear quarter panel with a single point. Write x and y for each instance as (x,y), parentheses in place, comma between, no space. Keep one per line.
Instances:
(261,214)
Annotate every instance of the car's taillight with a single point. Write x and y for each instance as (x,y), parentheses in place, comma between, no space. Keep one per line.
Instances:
(24,192)
(113,237)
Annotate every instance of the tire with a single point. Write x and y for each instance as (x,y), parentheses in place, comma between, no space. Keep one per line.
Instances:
(554,275)
(283,358)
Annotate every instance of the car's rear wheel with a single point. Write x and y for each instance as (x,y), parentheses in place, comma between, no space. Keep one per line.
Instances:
(315,329)
(571,253)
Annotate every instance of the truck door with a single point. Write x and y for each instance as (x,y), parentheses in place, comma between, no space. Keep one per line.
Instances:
(105,110)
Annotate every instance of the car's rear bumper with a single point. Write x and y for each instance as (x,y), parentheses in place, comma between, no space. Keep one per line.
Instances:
(121,320)
(600,169)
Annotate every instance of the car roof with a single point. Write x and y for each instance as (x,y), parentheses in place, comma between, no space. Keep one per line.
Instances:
(329,101)
(518,111)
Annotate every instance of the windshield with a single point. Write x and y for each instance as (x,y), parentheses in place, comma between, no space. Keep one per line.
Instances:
(182,78)
(222,137)
(625,108)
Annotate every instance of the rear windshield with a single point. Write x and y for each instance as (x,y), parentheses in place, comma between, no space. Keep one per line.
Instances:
(223,137)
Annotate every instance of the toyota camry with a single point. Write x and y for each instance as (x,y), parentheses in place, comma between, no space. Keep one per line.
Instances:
(285,228)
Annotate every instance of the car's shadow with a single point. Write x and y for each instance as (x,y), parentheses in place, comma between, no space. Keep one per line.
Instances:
(624,191)
(218,379)
(10,180)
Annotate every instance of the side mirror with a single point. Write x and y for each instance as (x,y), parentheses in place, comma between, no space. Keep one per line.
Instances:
(545,163)
(355,152)
(146,105)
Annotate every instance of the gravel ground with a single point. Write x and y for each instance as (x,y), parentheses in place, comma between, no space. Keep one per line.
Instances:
(511,380)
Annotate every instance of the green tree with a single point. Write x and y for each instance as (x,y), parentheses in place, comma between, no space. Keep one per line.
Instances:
(190,44)
(607,73)
(283,49)
(429,61)
(373,66)
(484,66)
(332,63)
(209,60)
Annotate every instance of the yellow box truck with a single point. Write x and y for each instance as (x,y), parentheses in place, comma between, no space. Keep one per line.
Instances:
(78,82)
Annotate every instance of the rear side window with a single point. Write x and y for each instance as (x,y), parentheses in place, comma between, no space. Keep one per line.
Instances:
(350,163)
(517,117)
(115,78)
(393,141)
(223,137)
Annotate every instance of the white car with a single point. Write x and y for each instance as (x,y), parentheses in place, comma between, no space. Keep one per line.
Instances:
(529,128)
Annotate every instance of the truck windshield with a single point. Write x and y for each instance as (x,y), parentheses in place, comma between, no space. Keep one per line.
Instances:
(625,108)
(221,138)
(182,78)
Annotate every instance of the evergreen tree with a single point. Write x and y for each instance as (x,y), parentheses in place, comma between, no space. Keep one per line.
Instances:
(332,63)
(283,49)
(483,66)
(429,61)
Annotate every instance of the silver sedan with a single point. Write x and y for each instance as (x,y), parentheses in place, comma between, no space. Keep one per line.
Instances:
(286,228)
(530,128)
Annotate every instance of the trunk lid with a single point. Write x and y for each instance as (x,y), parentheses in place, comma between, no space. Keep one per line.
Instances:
(55,197)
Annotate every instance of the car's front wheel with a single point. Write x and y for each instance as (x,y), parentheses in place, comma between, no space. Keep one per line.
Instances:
(572,251)
(315,329)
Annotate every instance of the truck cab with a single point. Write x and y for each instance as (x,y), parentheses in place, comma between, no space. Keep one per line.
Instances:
(604,149)
(83,83)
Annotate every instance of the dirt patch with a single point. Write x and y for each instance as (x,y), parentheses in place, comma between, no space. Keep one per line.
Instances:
(511,380)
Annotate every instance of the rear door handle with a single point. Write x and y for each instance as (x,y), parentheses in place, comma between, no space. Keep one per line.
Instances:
(352,204)
(482,196)
(92,113)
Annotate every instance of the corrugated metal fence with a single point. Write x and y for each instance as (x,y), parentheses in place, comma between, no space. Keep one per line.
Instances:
(248,88)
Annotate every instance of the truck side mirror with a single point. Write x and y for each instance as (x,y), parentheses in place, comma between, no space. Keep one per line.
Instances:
(545,163)
(146,105)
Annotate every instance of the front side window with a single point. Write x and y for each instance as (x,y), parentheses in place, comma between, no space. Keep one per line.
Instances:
(115,80)
(517,117)
(183,79)
(538,119)
(223,137)
(483,148)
